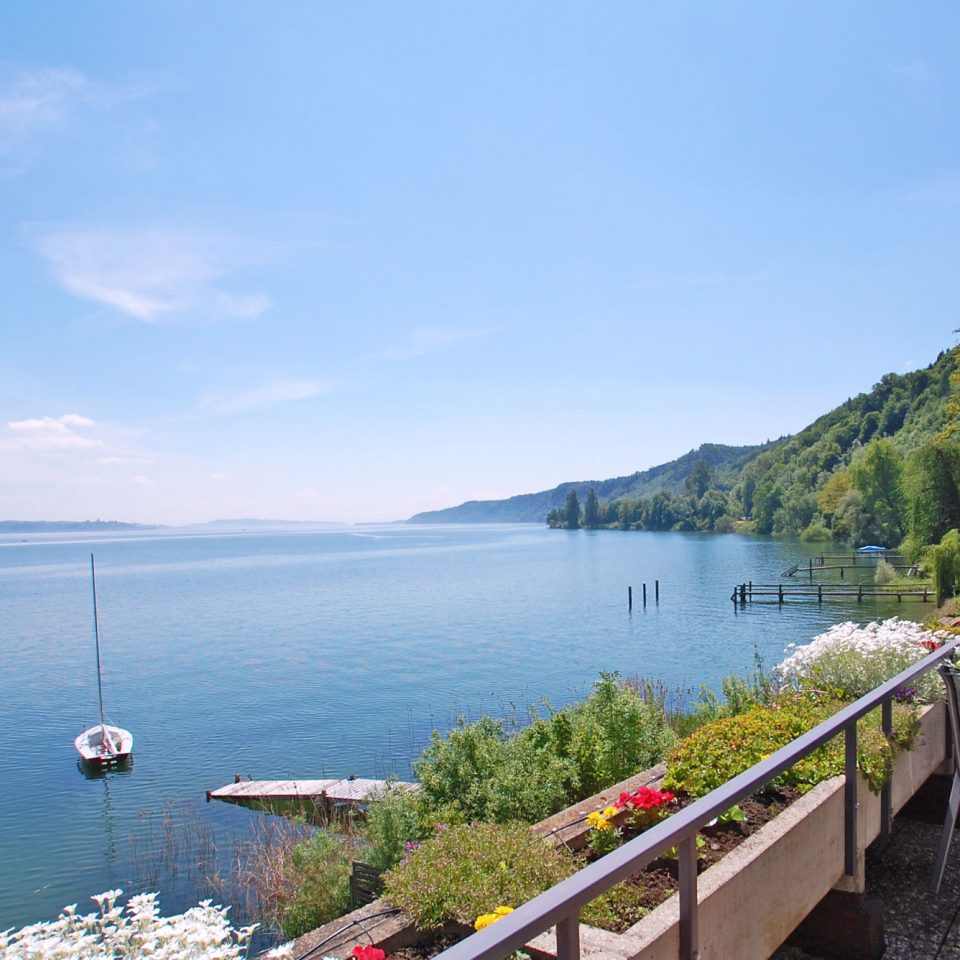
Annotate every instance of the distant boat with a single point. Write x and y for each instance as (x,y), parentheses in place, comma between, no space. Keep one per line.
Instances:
(102,744)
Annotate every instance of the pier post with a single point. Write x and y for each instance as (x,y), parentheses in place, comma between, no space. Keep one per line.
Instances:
(819,593)
(644,595)
(859,593)
(629,598)
(656,590)
(781,593)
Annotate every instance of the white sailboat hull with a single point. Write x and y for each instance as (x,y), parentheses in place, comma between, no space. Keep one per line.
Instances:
(104,744)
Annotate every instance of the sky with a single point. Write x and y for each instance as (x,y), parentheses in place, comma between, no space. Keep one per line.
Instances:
(355,260)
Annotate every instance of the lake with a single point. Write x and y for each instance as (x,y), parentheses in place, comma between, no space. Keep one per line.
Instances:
(320,654)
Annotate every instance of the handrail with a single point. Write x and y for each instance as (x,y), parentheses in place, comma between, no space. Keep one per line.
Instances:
(560,905)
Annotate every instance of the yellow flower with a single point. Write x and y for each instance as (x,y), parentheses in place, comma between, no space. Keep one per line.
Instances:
(610,812)
(598,821)
(485,919)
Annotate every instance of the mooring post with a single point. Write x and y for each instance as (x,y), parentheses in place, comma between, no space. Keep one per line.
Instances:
(841,573)
(629,598)
(811,568)
(644,594)
(781,593)
(819,593)
(656,590)
(743,595)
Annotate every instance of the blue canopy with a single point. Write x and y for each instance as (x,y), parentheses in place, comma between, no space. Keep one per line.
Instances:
(870,549)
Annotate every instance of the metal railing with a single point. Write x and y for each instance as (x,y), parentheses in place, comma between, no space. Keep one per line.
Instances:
(560,905)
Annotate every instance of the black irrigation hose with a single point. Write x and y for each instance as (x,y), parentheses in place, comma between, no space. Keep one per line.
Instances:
(343,929)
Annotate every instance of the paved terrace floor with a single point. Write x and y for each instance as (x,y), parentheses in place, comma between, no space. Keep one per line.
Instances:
(918,925)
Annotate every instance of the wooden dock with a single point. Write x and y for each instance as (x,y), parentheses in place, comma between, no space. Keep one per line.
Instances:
(744,593)
(351,791)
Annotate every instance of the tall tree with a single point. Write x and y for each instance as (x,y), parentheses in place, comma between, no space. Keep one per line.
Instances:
(591,519)
(572,510)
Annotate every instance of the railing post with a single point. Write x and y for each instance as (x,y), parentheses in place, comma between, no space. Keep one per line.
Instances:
(568,937)
(850,801)
(886,793)
(689,945)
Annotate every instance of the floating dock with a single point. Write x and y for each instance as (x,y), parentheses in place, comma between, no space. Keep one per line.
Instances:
(351,791)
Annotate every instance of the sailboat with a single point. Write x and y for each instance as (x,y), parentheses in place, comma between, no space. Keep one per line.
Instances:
(102,744)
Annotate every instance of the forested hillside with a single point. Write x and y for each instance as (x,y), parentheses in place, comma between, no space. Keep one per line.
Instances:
(726,464)
(882,467)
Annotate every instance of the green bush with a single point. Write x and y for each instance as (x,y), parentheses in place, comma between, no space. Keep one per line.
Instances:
(394,819)
(470,869)
(816,533)
(886,572)
(478,773)
(945,561)
(725,748)
(321,867)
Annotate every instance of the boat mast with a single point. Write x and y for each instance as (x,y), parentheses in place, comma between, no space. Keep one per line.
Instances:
(96,634)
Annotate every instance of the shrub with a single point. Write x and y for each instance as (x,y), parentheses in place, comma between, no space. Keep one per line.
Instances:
(479,774)
(816,533)
(945,560)
(394,819)
(321,867)
(886,572)
(849,660)
(727,747)
(611,735)
(467,870)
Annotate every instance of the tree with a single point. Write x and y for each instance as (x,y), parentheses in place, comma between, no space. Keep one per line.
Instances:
(878,475)
(698,480)
(591,511)
(572,510)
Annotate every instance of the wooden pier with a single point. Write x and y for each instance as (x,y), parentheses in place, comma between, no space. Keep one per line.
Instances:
(744,593)
(351,791)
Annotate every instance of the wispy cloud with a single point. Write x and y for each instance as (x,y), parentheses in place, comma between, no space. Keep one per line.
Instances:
(36,101)
(50,434)
(424,341)
(268,394)
(151,275)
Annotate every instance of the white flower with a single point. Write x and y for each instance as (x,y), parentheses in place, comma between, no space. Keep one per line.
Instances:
(855,659)
(136,931)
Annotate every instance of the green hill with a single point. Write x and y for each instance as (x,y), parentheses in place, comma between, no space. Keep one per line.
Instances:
(726,463)
(870,470)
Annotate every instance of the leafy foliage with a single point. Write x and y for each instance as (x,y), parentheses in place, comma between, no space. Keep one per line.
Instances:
(321,866)
(394,819)
(479,773)
(467,870)
(727,747)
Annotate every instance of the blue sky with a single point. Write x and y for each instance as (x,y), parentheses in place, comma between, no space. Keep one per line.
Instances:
(349,261)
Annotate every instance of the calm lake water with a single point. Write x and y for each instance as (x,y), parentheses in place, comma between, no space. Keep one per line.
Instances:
(284,655)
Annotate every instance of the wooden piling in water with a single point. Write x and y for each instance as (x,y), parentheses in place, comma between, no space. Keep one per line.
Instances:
(656,590)
(629,598)
(644,595)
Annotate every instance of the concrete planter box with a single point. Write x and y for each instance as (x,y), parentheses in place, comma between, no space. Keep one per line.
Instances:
(748,903)
(754,898)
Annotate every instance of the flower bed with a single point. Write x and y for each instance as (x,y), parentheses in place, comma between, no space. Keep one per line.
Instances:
(778,849)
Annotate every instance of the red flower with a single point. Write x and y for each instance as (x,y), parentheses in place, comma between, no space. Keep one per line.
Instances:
(369,953)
